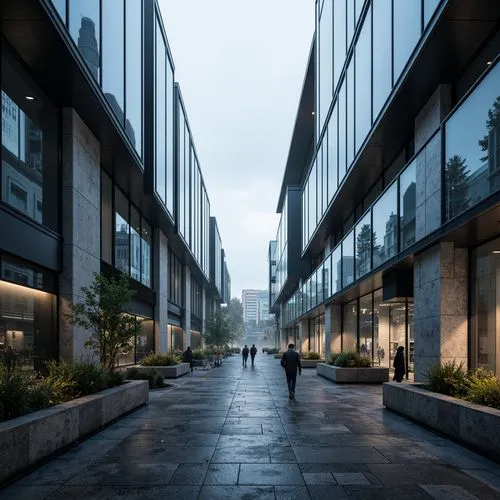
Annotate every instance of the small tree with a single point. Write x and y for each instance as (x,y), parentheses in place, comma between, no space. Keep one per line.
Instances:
(218,331)
(104,313)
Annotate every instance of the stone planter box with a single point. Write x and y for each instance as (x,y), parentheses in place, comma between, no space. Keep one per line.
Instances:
(339,375)
(200,362)
(174,371)
(475,425)
(310,363)
(26,440)
(278,356)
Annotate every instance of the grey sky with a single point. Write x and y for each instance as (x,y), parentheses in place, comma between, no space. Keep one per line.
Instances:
(240,65)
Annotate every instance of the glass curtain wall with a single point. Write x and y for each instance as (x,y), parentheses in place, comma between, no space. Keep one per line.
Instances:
(350,326)
(176,280)
(176,338)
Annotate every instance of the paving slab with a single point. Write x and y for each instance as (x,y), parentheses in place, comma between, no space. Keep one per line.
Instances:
(232,433)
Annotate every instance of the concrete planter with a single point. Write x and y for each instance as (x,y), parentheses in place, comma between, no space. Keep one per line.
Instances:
(26,440)
(278,356)
(200,362)
(340,375)
(467,422)
(174,371)
(310,363)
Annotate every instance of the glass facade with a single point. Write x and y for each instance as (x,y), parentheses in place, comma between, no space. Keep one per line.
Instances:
(472,169)
(385,226)
(325,37)
(184,159)
(350,326)
(382,54)
(407,206)
(196,298)
(281,251)
(363,246)
(176,280)
(348,259)
(176,338)
(30,130)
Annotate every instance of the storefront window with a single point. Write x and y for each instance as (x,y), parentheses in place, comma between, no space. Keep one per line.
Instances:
(195,339)
(382,353)
(485,310)
(28,321)
(122,233)
(365,325)
(472,170)
(350,326)
(176,338)
(144,343)
(29,146)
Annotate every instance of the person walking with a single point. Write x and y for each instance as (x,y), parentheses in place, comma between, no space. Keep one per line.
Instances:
(244,353)
(187,357)
(399,364)
(253,352)
(290,361)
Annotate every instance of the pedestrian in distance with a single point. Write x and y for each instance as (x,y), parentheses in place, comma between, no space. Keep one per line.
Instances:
(253,352)
(244,353)
(290,361)
(399,364)
(187,357)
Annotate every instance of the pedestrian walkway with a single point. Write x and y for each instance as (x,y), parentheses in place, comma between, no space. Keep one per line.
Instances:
(232,433)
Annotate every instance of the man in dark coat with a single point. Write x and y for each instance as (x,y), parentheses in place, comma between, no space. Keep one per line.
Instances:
(290,361)
(399,364)
(187,357)
(253,352)
(244,353)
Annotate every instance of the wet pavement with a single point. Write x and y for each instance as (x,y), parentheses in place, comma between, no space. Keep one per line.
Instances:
(232,433)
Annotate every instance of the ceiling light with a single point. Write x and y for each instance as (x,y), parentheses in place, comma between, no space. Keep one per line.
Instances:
(489,62)
(30,98)
(313,113)
(496,251)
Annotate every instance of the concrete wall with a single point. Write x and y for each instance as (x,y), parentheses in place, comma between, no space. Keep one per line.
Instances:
(441,306)
(161,286)
(81,199)
(187,308)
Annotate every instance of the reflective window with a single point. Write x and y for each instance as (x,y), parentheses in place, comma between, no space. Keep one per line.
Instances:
(382,53)
(332,154)
(381,331)
(363,247)
(60,6)
(319,285)
(342,132)
(182,171)
(133,64)
(385,227)
(170,137)
(325,61)
(359,8)
(327,274)
(29,146)
(339,38)
(312,200)
(84,29)
(429,8)
(319,185)
(348,259)
(324,183)
(365,325)
(350,21)
(407,205)
(160,107)
(407,24)
(135,244)
(106,219)
(176,279)
(472,170)
(122,232)
(350,326)
(350,113)
(364,82)
(113,55)
(146,252)
(336,269)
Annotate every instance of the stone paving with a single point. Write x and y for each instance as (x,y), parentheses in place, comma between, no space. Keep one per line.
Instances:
(232,433)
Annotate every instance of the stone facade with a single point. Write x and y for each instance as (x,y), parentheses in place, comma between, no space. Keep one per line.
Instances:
(161,287)
(81,199)
(441,306)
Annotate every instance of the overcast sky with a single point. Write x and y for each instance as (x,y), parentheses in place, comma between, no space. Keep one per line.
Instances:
(240,65)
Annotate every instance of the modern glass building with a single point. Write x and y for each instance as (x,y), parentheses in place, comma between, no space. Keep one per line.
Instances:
(395,154)
(99,173)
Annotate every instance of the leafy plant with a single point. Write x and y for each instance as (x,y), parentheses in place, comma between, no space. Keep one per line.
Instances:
(161,359)
(273,350)
(352,359)
(199,353)
(104,313)
(218,332)
(332,357)
(448,378)
(154,378)
(14,392)
(483,388)
(311,355)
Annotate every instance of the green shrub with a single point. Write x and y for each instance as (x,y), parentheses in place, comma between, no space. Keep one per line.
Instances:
(114,378)
(14,392)
(352,359)
(447,378)
(154,378)
(199,353)
(161,359)
(311,355)
(483,388)
(273,350)
(331,358)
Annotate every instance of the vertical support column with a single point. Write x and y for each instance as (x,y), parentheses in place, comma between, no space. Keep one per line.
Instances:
(81,199)
(161,276)
(441,307)
(187,307)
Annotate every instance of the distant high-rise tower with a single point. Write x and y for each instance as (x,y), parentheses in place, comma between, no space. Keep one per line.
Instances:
(87,44)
